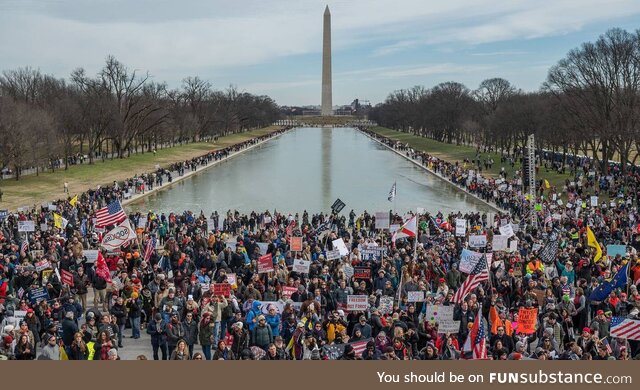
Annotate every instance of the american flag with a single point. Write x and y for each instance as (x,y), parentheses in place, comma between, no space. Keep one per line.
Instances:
(476,341)
(110,215)
(625,328)
(478,274)
(151,246)
(392,192)
(336,350)
(25,246)
(607,346)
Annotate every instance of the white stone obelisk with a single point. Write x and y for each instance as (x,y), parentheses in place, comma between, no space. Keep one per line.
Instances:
(327,105)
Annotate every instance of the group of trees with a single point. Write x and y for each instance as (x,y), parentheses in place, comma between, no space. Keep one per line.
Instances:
(589,104)
(44,119)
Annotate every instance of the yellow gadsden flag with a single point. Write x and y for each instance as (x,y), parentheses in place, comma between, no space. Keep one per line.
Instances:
(547,185)
(73,201)
(591,241)
(57,220)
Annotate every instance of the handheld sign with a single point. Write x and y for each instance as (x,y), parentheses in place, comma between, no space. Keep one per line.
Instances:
(296,244)
(301,266)
(223,289)
(338,205)
(478,241)
(265,264)
(357,302)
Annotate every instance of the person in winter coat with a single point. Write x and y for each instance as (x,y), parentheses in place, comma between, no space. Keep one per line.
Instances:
(252,315)
(51,351)
(134,312)
(190,327)
(261,335)
(241,338)
(78,349)
(214,308)
(69,329)
(205,332)
(222,352)
(175,332)
(273,320)
(181,351)
(158,331)
(119,311)
(363,327)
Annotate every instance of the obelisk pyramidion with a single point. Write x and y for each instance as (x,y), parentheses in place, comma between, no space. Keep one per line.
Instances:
(327,106)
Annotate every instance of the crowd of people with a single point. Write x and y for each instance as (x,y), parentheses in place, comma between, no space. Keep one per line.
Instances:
(282,286)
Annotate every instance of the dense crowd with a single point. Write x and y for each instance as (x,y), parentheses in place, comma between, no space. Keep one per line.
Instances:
(281,286)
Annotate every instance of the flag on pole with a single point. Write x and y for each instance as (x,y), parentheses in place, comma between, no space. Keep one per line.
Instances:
(74,201)
(479,274)
(547,185)
(591,241)
(476,340)
(409,229)
(619,280)
(392,192)
(24,247)
(101,268)
(57,220)
(148,250)
(110,215)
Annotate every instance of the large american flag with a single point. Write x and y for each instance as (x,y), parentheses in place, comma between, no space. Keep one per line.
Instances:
(110,215)
(478,274)
(334,351)
(476,340)
(625,328)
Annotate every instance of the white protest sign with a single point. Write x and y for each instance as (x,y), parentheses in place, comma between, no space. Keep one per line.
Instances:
(301,266)
(142,222)
(415,296)
(348,271)
(513,246)
(333,255)
(357,302)
(477,241)
(26,226)
(340,246)
(500,242)
(382,220)
(91,255)
(264,246)
(461,227)
(443,315)
(594,201)
(506,230)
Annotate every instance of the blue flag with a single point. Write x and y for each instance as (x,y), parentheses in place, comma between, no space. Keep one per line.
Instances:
(619,280)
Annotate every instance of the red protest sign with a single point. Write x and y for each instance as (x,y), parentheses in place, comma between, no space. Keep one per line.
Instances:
(287,291)
(67,277)
(296,244)
(527,320)
(223,289)
(362,272)
(265,264)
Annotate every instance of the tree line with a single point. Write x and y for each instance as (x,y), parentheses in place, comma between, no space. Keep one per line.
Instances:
(588,105)
(45,120)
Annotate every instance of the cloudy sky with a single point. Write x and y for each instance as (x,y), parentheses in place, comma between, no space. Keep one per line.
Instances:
(274,47)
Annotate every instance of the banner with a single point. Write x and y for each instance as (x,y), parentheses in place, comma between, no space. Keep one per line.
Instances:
(340,246)
(527,320)
(382,220)
(265,264)
(443,315)
(358,302)
(362,272)
(118,236)
(334,351)
(42,265)
(415,296)
(296,244)
(613,250)
(26,226)
(386,304)
(301,266)
(223,289)
(461,227)
(478,241)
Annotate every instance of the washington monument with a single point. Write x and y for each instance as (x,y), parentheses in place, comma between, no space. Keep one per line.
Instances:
(326,65)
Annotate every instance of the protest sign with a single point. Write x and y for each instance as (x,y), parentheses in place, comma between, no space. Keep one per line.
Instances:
(527,320)
(287,291)
(278,305)
(264,246)
(38,294)
(142,222)
(357,302)
(372,253)
(415,296)
(117,283)
(362,273)
(338,205)
(340,246)
(478,241)
(461,227)
(265,264)
(67,278)
(506,230)
(301,266)
(613,250)
(42,265)
(349,271)
(500,242)
(223,289)
(382,220)
(231,278)
(468,260)
(296,244)
(91,255)
(333,255)
(118,236)
(443,315)
(26,226)
(386,304)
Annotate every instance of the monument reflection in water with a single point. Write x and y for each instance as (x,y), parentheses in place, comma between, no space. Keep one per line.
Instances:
(308,168)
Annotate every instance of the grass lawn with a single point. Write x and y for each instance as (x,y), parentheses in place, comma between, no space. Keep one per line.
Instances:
(35,190)
(452,153)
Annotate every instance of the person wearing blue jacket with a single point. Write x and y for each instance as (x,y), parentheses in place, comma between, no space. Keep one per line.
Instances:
(273,320)
(252,315)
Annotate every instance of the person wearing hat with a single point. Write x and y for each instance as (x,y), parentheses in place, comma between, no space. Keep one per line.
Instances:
(261,335)
(241,338)
(600,324)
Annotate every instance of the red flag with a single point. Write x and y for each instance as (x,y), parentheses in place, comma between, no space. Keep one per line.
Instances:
(101,268)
